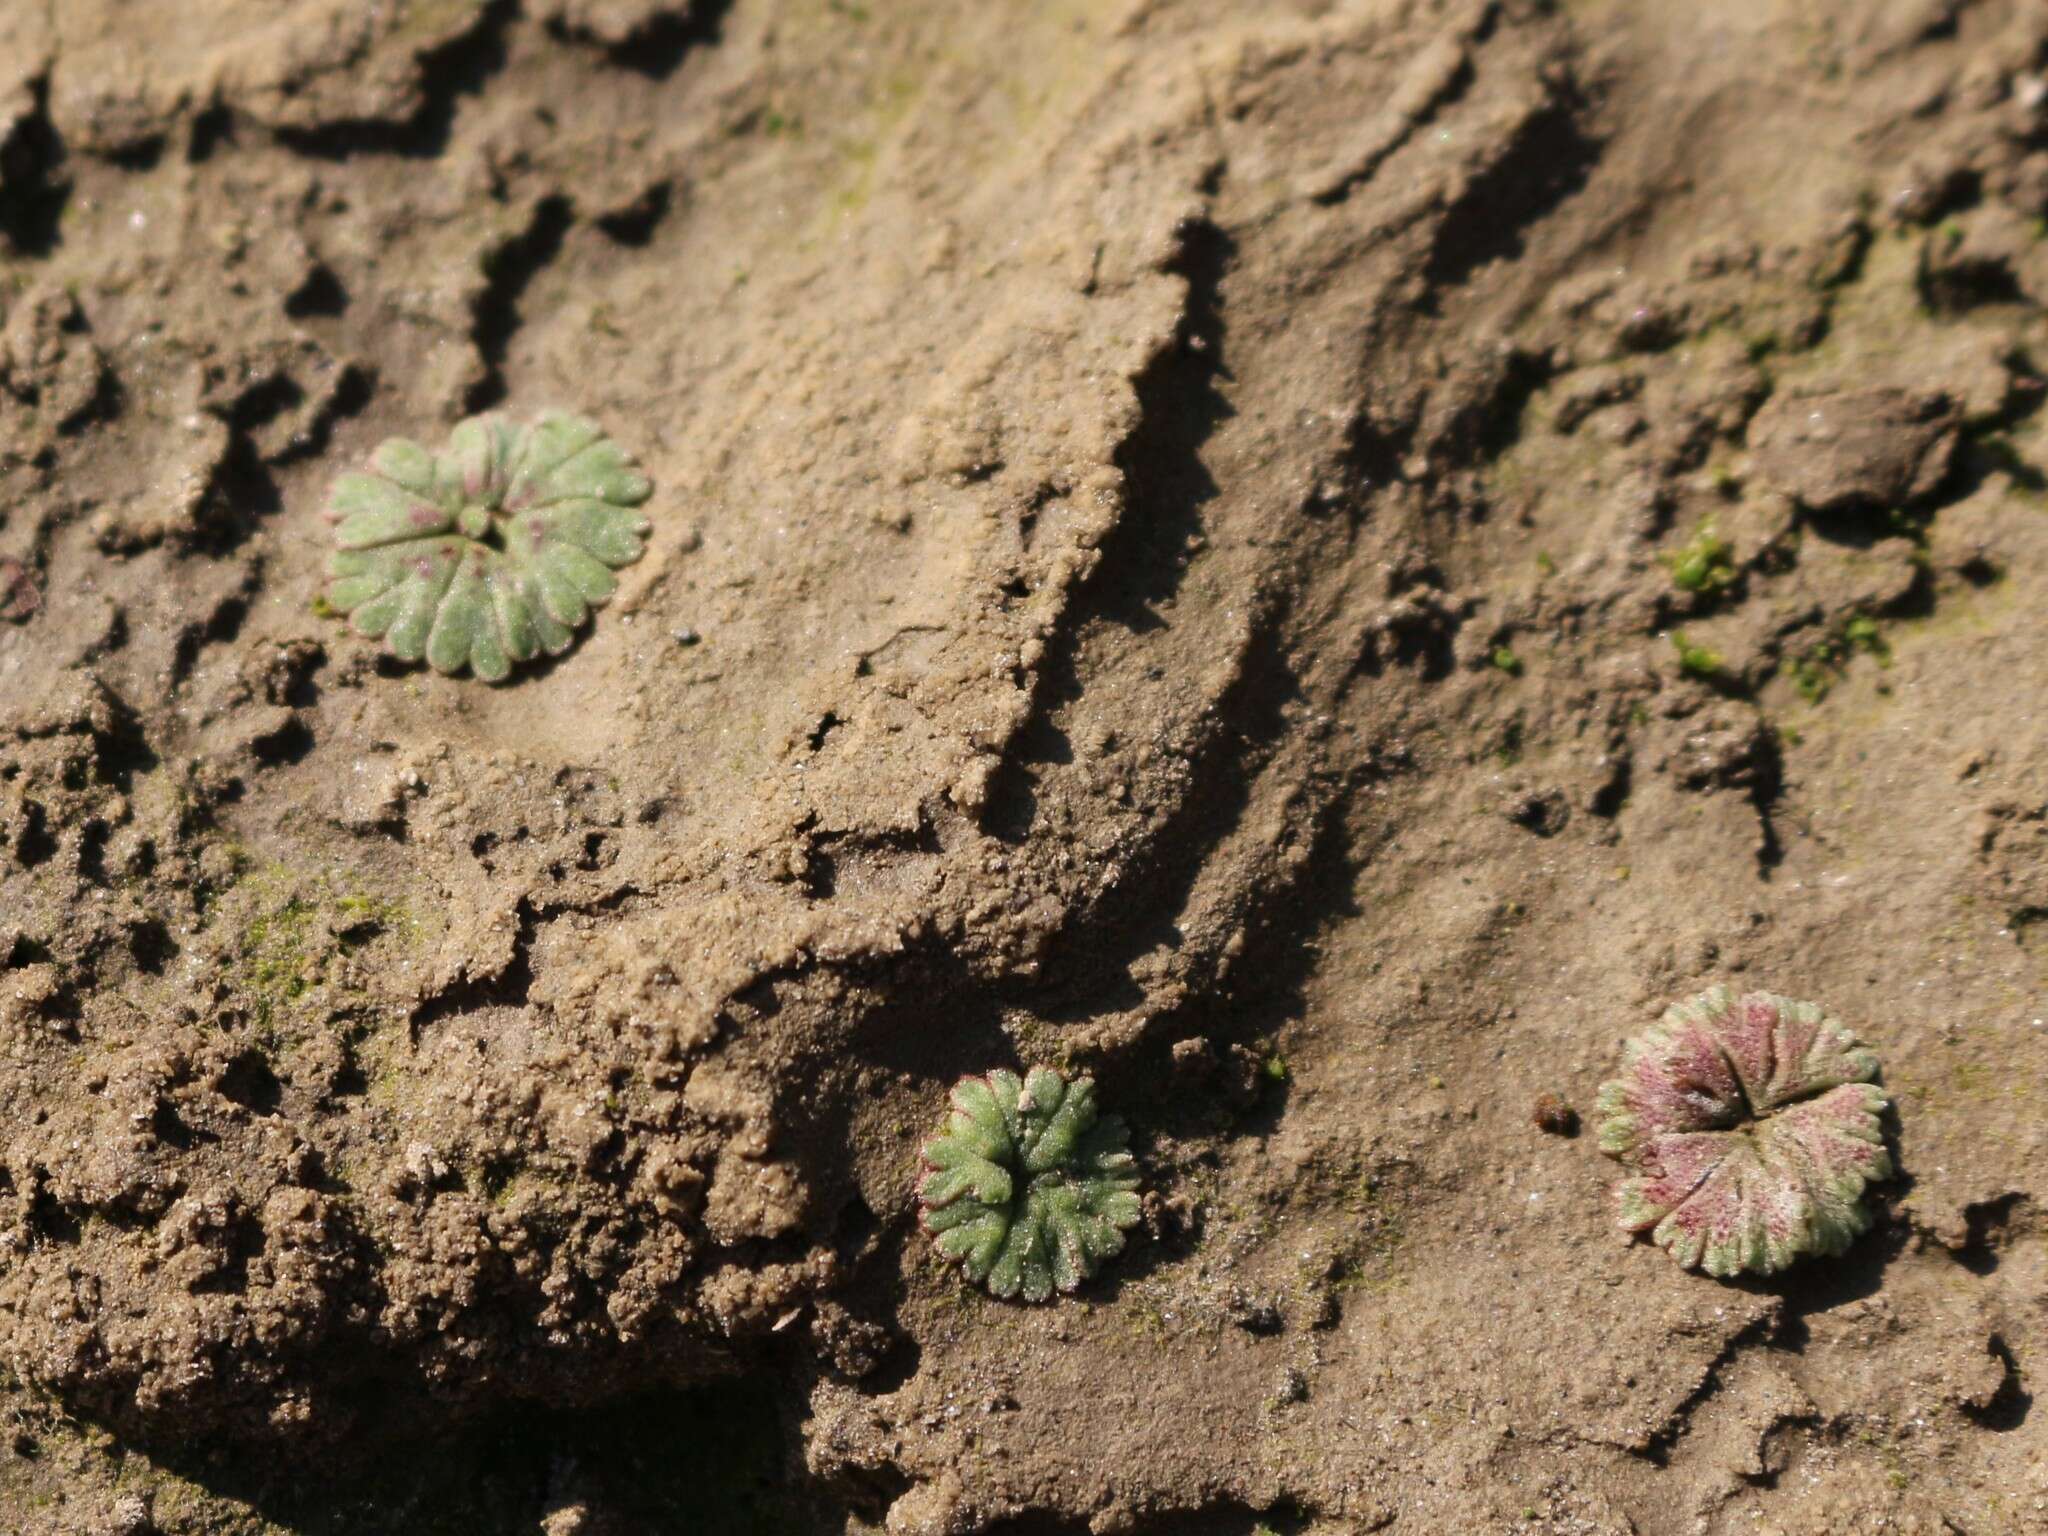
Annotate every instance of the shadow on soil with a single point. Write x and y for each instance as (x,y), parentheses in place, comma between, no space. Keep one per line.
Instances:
(713,1461)
(1218,1520)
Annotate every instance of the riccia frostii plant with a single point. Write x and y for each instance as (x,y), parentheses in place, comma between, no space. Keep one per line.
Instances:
(491,553)
(1750,1125)
(1028,1186)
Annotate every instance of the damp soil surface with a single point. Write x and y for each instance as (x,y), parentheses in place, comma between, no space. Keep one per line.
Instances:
(1320,561)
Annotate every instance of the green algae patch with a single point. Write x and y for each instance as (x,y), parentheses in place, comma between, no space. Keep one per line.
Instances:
(1706,565)
(1696,660)
(295,936)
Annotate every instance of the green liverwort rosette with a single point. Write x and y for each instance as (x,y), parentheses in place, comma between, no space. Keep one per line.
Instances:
(1029,1188)
(493,552)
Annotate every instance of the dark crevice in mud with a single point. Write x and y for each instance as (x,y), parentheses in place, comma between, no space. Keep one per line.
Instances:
(244,489)
(51,1221)
(243,493)
(2007,1407)
(1987,449)
(855,1228)
(210,130)
(1494,424)
(470,994)
(1550,159)
(1766,785)
(121,748)
(33,192)
(1229,1518)
(218,628)
(1610,797)
(262,403)
(658,49)
(1147,553)
(1954,288)
(350,396)
(461,67)
(142,155)
(151,946)
(510,268)
(24,951)
(290,743)
(634,225)
(713,1460)
(34,844)
(352,393)
(170,1128)
(1013,794)
(1138,915)
(1373,457)
(828,723)
(1167,484)
(1264,991)
(1766,1332)
(320,296)
(1858,528)
(92,852)
(1987,1225)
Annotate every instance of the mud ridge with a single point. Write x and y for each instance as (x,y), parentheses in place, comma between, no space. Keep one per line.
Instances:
(658,47)
(1165,487)
(462,66)
(1549,159)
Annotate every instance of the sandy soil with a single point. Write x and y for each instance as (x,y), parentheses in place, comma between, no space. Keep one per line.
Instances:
(1166,542)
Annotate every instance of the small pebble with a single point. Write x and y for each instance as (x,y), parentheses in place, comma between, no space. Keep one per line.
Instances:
(1554,1117)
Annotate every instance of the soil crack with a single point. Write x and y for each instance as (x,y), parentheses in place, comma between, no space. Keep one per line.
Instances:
(1764,1333)
(33,192)
(510,268)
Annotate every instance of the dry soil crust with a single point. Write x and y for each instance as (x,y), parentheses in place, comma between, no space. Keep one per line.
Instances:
(1319,561)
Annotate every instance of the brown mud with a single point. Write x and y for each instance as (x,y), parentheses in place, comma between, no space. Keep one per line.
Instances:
(1321,561)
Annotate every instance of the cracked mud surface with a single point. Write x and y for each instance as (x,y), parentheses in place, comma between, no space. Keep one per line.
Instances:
(1319,562)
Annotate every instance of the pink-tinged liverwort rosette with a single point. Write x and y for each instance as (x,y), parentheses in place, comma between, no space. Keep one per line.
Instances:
(1751,1126)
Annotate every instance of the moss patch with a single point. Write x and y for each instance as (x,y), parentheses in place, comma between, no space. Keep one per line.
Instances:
(288,945)
(1705,565)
